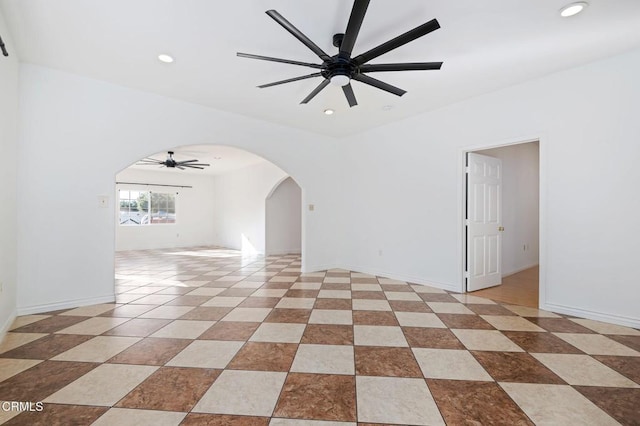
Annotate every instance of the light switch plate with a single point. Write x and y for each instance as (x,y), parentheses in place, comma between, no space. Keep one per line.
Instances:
(103,201)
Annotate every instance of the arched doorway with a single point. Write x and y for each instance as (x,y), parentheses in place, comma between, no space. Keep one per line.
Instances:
(283,221)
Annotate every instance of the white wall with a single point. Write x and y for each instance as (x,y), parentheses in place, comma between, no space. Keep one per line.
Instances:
(405,193)
(194,211)
(284,219)
(66,260)
(8,173)
(520,205)
(240,206)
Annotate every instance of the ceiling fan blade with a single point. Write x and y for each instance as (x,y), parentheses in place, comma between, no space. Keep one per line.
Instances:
(289,80)
(180,167)
(298,34)
(151,159)
(186,161)
(407,66)
(401,40)
(353,27)
(195,164)
(379,84)
(283,61)
(348,92)
(147,164)
(193,167)
(317,90)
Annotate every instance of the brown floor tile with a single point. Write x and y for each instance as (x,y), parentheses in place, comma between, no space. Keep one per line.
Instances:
(51,324)
(288,274)
(40,381)
(389,362)
(620,403)
(324,334)
(264,357)
(408,306)
(438,297)
(58,312)
(223,420)
(338,304)
(302,293)
(151,351)
(482,309)
(374,318)
(58,415)
(335,286)
(559,325)
(372,295)
(300,316)
(46,347)
(536,342)
(435,338)
(259,302)
(475,403)
(206,313)
(631,341)
(237,292)
(309,279)
(229,330)
(220,284)
(628,366)
(138,327)
(318,396)
(277,286)
(516,367)
(171,389)
(338,274)
(189,300)
(465,321)
(364,281)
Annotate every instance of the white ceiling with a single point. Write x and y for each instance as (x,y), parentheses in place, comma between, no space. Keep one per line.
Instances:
(222,159)
(485,45)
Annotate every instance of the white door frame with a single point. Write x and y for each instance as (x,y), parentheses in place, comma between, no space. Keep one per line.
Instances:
(542,140)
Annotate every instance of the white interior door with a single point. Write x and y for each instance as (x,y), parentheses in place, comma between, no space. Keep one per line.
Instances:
(484,221)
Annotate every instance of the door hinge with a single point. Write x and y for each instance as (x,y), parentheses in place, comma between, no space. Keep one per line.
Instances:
(467,275)
(466,169)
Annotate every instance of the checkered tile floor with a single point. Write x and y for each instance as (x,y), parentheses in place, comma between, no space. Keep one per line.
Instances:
(205,336)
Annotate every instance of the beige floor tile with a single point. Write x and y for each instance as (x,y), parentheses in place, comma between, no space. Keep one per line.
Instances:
(278,333)
(450,364)
(92,310)
(26,319)
(248,393)
(298,422)
(374,335)
(98,349)
(167,312)
(206,354)
(390,281)
(183,329)
(105,385)
(331,316)
(224,301)
(156,299)
(269,292)
(296,303)
(596,344)
(11,367)
(449,308)
(334,294)
(583,370)
(511,323)
(396,400)
(324,359)
(247,314)
(419,319)
(402,295)
(5,416)
(526,311)
(13,340)
(307,286)
(469,299)
(556,405)
(206,291)
(131,311)
(248,284)
(605,328)
(370,305)
(131,417)
(282,279)
(418,288)
(94,326)
(366,287)
(228,278)
(337,280)
(486,340)
(145,290)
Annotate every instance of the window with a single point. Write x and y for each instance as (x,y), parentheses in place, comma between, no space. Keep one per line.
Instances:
(146,207)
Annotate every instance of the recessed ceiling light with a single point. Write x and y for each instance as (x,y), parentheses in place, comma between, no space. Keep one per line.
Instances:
(573,9)
(167,59)
(329,111)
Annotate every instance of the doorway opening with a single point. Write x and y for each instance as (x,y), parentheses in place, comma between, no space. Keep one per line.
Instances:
(502,223)
(283,219)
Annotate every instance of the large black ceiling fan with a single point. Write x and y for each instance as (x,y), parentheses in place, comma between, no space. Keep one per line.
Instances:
(340,69)
(171,163)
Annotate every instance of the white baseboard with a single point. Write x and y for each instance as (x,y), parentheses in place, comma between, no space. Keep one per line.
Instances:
(515,271)
(7,324)
(592,315)
(403,277)
(36,309)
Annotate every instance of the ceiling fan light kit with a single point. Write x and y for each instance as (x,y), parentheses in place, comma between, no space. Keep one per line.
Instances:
(340,69)
(171,163)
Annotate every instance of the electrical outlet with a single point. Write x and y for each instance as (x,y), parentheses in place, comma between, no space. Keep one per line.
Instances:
(103,201)
(311,207)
